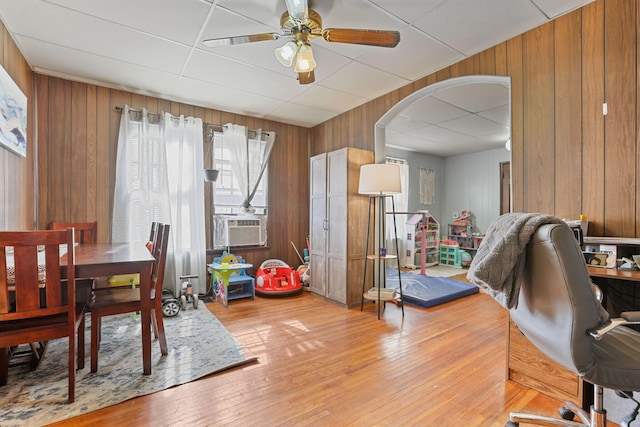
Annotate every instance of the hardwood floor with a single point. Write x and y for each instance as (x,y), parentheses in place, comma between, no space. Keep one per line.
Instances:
(323,365)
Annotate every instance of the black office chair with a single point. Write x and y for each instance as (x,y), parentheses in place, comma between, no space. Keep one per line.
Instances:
(558,311)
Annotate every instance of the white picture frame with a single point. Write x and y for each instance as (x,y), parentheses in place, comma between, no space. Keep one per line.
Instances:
(13,115)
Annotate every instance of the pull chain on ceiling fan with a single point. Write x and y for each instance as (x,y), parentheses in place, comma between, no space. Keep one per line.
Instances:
(302,24)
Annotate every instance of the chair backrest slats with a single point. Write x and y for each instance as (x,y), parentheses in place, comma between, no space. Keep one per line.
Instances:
(86,232)
(160,254)
(4,288)
(34,288)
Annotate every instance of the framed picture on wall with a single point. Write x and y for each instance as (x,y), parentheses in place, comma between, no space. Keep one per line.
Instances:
(13,115)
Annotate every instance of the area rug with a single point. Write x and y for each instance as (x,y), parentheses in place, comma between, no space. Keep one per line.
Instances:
(199,345)
(428,291)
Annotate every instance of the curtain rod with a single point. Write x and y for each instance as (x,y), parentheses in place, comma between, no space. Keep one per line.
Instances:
(214,126)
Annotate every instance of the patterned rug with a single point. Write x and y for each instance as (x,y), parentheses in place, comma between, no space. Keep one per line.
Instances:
(199,345)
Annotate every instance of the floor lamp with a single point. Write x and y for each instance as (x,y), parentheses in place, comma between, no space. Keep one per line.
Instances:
(379,181)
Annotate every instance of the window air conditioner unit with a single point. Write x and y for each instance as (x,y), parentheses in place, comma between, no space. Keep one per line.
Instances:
(244,232)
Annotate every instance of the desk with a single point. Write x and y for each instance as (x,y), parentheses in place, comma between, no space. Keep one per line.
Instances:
(612,273)
(107,259)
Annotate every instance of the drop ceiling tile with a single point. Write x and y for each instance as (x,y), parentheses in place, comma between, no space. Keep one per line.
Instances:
(219,70)
(328,99)
(359,14)
(472,125)
(267,12)
(475,97)
(300,115)
(498,115)
(363,80)
(177,21)
(432,110)
(438,134)
(416,55)
(66,63)
(555,8)
(403,123)
(408,10)
(64,27)
(224,98)
(396,138)
(497,139)
(228,23)
(471,26)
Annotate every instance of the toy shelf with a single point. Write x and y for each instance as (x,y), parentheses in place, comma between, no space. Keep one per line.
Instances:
(463,235)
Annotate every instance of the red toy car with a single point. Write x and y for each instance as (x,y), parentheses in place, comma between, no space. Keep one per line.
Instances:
(276,277)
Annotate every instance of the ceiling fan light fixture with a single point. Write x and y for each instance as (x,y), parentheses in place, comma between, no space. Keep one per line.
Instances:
(286,53)
(304,60)
(297,9)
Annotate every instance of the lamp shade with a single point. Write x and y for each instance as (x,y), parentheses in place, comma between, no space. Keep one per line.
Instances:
(286,53)
(305,62)
(379,178)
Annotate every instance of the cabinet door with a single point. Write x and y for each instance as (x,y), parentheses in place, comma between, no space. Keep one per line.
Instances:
(318,223)
(337,230)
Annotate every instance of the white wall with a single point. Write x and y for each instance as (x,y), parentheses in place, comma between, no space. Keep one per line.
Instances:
(472,182)
(469,181)
(417,161)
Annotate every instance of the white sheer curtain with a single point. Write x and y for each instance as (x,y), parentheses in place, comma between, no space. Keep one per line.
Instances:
(159,178)
(401,202)
(250,156)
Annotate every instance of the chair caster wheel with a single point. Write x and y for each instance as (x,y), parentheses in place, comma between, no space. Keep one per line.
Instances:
(566,414)
(511,424)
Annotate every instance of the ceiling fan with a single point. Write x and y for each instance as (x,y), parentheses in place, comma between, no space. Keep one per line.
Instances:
(302,24)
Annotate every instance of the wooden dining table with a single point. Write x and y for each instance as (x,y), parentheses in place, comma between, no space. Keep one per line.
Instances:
(108,259)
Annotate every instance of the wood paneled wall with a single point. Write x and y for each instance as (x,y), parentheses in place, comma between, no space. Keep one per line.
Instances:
(17,188)
(567,157)
(78,132)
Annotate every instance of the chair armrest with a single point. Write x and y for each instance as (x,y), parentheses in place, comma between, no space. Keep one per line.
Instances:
(626,318)
(597,291)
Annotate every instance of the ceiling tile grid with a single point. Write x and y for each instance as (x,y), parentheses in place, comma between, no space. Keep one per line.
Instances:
(154,47)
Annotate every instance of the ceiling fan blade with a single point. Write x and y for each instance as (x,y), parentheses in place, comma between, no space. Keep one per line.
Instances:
(380,38)
(228,41)
(307,77)
(298,10)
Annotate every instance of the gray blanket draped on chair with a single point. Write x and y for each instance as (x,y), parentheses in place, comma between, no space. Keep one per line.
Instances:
(498,264)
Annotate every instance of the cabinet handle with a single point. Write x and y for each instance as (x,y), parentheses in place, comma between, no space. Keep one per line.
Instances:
(325,224)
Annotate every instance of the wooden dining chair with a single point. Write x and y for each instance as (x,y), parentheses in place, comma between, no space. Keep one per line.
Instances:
(130,280)
(119,300)
(31,354)
(35,304)
(85,232)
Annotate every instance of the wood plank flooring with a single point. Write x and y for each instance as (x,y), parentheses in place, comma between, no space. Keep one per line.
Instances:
(323,365)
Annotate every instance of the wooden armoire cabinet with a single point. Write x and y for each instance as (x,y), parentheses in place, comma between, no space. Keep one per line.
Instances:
(338,225)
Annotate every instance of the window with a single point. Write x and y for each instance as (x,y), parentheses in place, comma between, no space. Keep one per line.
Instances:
(227,197)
